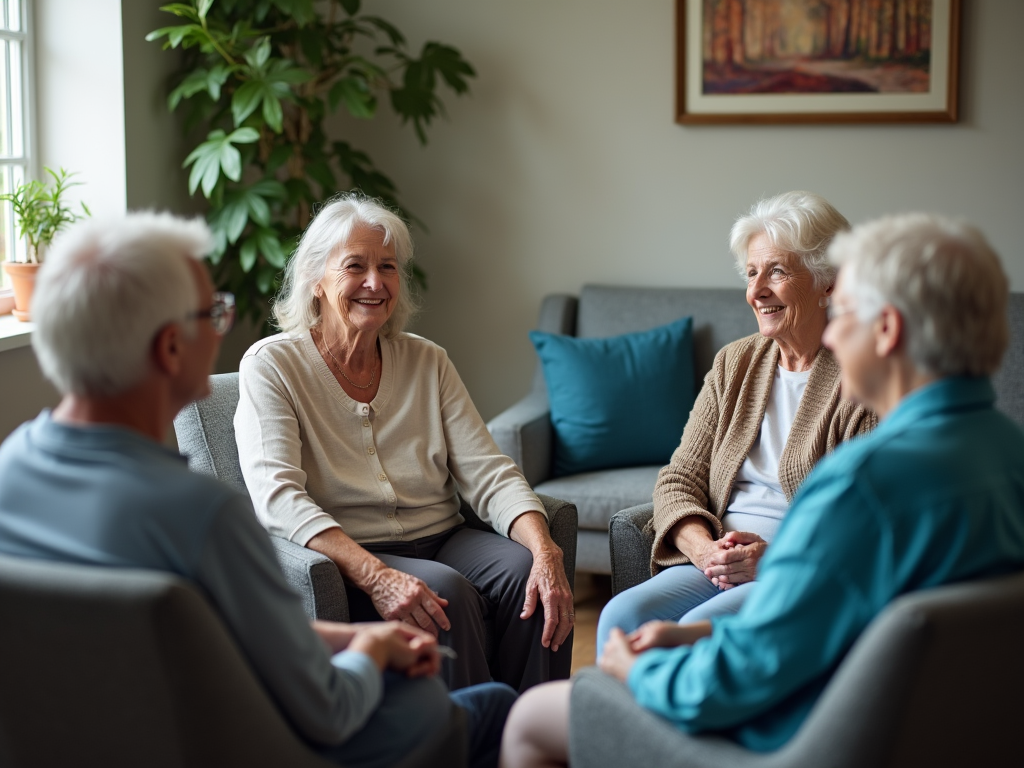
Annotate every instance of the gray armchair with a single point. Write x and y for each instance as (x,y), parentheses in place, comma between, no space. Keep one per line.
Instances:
(125,668)
(933,681)
(524,431)
(206,435)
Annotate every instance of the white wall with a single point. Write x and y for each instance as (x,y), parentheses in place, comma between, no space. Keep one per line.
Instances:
(80,87)
(565,167)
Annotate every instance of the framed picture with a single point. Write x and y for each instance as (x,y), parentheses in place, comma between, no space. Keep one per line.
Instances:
(817,61)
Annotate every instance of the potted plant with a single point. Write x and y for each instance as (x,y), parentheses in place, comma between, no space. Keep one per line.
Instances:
(40,212)
(261,79)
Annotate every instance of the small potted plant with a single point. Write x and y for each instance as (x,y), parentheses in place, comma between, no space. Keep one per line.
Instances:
(40,212)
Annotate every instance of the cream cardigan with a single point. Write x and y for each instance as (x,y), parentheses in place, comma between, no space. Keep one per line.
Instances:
(313,458)
(723,426)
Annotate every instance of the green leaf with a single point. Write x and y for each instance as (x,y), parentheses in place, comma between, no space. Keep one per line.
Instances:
(195,82)
(257,55)
(388,29)
(247,254)
(300,10)
(279,156)
(272,111)
(321,173)
(245,100)
(356,94)
(215,155)
(176,34)
(244,135)
(271,188)
(270,247)
(265,278)
(233,217)
(351,6)
(181,9)
(204,8)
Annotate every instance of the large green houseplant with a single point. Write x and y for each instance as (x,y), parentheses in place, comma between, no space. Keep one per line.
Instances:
(260,77)
(40,212)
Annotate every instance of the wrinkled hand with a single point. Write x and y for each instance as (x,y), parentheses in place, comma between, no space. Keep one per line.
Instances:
(732,559)
(395,645)
(548,584)
(618,658)
(657,634)
(667,634)
(401,597)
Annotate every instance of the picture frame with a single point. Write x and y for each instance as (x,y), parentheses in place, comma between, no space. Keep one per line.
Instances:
(817,61)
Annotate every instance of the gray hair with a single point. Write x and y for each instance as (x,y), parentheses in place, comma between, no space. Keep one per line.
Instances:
(297,308)
(944,279)
(105,291)
(799,223)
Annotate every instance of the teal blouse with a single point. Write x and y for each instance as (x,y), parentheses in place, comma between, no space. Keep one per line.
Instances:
(934,495)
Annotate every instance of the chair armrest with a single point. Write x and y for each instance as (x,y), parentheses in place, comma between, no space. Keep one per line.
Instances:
(315,577)
(608,727)
(523,433)
(563,523)
(630,547)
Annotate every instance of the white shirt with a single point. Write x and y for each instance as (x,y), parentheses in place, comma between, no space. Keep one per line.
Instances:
(757,503)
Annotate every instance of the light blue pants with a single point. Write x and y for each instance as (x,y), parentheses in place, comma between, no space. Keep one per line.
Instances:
(681,593)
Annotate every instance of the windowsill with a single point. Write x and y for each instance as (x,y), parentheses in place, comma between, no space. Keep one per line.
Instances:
(14,334)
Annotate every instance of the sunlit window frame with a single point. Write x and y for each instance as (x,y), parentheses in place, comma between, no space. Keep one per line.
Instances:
(22,165)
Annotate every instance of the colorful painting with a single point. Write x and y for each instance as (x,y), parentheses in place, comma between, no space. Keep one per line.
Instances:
(817,60)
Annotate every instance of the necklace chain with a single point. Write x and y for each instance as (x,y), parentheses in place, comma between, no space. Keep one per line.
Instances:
(373,371)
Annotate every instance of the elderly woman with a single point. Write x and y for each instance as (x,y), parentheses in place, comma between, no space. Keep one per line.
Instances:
(770,408)
(919,324)
(355,439)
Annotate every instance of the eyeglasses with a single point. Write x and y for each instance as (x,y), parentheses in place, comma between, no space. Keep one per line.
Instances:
(221,312)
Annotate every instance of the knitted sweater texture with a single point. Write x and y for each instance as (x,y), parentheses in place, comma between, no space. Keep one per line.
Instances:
(723,427)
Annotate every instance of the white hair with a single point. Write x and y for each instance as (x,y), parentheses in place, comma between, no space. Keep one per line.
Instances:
(799,223)
(944,279)
(297,308)
(104,292)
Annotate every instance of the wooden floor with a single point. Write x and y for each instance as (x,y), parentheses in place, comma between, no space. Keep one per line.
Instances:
(592,592)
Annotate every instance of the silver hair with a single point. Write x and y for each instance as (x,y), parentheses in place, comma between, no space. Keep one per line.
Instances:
(944,279)
(105,290)
(799,223)
(297,308)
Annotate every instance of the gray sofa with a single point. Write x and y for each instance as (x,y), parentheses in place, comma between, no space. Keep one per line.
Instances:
(524,431)
(630,545)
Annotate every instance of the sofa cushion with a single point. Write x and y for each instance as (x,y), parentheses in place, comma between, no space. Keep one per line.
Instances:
(620,401)
(599,495)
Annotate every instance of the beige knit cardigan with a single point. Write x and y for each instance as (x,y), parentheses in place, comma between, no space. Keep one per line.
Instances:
(723,426)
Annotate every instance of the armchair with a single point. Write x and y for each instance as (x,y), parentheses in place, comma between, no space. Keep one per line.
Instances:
(932,681)
(122,668)
(524,431)
(206,435)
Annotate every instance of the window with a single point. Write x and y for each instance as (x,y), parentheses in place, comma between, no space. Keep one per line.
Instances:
(15,104)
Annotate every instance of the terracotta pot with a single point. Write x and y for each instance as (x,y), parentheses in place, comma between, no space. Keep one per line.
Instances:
(23,281)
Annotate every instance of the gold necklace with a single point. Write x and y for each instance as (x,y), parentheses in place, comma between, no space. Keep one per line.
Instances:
(373,371)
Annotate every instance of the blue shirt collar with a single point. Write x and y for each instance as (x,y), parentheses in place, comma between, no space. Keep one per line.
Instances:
(955,393)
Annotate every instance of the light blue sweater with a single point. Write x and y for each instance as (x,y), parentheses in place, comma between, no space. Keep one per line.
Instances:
(934,495)
(110,497)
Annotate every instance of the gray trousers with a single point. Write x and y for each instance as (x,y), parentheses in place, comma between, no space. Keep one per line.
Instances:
(483,577)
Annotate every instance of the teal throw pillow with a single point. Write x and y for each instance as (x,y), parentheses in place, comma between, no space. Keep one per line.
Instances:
(617,402)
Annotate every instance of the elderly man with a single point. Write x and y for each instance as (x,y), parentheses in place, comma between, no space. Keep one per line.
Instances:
(128,327)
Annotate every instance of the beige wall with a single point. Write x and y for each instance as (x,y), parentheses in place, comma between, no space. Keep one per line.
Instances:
(565,166)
